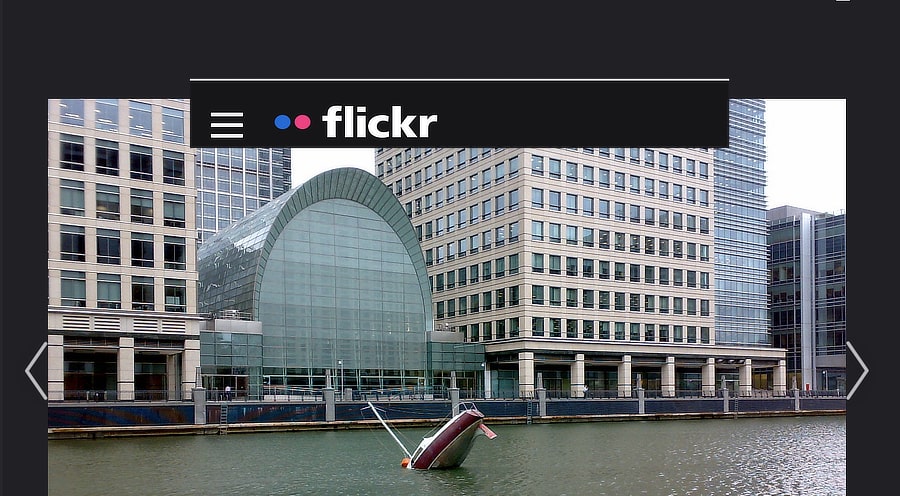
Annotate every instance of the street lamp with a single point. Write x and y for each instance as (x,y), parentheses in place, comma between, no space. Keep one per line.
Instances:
(824,380)
(341,365)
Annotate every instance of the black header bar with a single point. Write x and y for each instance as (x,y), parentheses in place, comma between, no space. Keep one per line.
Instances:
(446,113)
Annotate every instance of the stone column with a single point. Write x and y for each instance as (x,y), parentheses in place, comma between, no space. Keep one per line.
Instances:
(125,369)
(577,373)
(668,378)
(708,378)
(55,368)
(746,378)
(526,374)
(625,377)
(190,360)
(780,378)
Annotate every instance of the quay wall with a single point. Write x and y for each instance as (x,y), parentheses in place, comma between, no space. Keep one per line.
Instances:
(117,419)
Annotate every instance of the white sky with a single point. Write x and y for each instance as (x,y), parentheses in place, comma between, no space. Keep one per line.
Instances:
(805,147)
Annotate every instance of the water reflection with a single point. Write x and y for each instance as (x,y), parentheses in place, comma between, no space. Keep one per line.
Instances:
(775,456)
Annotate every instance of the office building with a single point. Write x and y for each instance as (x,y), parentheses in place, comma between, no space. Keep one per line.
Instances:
(233,182)
(584,267)
(809,295)
(327,278)
(740,228)
(122,321)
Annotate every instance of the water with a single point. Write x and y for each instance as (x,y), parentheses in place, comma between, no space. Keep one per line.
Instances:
(761,456)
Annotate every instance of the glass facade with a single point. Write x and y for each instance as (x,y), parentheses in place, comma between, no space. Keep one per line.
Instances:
(740,229)
(233,182)
(808,295)
(333,271)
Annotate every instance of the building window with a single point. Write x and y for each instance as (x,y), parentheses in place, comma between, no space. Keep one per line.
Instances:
(649,332)
(603,178)
(634,333)
(571,297)
(173,168)
(588,329)
(141,250)
(537,262)
(571,266)
(587,267)
(537,326)
(173,210)
(141,293)
(72,243)
(635,244)
(109,291)
(603,209)
(109,250)
(174,250)
(141,163)
(587,236)
(555,199)
(620,211)
(555,327)
(634,302)
(634,272)
(649,303)
(71,197)
(664,333)
(555,233)
(106,115)
(603,330)
(176,295)
(537,230)
(555,170)
(71,152)
(603,300)
(537,295)
(571,172)
(537,198)
(107,202)
(106,155)
(141,206)
(140,119)
(619,300)
(587,298)
(71,111)
(571,203)
(172,125)
(73,289)
(620,241)
(620,330)
(555,264)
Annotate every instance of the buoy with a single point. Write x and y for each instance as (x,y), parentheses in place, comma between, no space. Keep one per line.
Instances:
(405,462)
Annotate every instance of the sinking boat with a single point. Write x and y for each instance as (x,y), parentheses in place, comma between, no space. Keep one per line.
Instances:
(449,446)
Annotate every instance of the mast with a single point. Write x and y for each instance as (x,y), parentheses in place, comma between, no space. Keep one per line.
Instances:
(388,429)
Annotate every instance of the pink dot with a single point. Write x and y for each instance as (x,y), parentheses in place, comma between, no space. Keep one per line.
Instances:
(302,121)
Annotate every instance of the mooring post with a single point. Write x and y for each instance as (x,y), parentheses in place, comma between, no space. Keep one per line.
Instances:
(542,395)
(454,393)
(328,394)
(198,395)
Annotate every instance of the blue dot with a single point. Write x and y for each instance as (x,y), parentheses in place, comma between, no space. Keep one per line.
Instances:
(282,122)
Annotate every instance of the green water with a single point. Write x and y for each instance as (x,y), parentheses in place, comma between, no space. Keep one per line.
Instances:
(763,456)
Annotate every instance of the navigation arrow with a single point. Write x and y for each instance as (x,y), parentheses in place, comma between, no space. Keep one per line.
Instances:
(865,370)
(28,371)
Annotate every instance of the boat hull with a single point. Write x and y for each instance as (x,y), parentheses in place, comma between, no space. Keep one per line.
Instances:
(450,446)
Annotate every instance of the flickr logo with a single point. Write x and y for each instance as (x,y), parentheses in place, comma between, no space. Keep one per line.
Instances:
(354,123)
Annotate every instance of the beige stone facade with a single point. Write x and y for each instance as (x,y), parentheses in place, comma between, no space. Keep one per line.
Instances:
(122,276)
(584,266)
